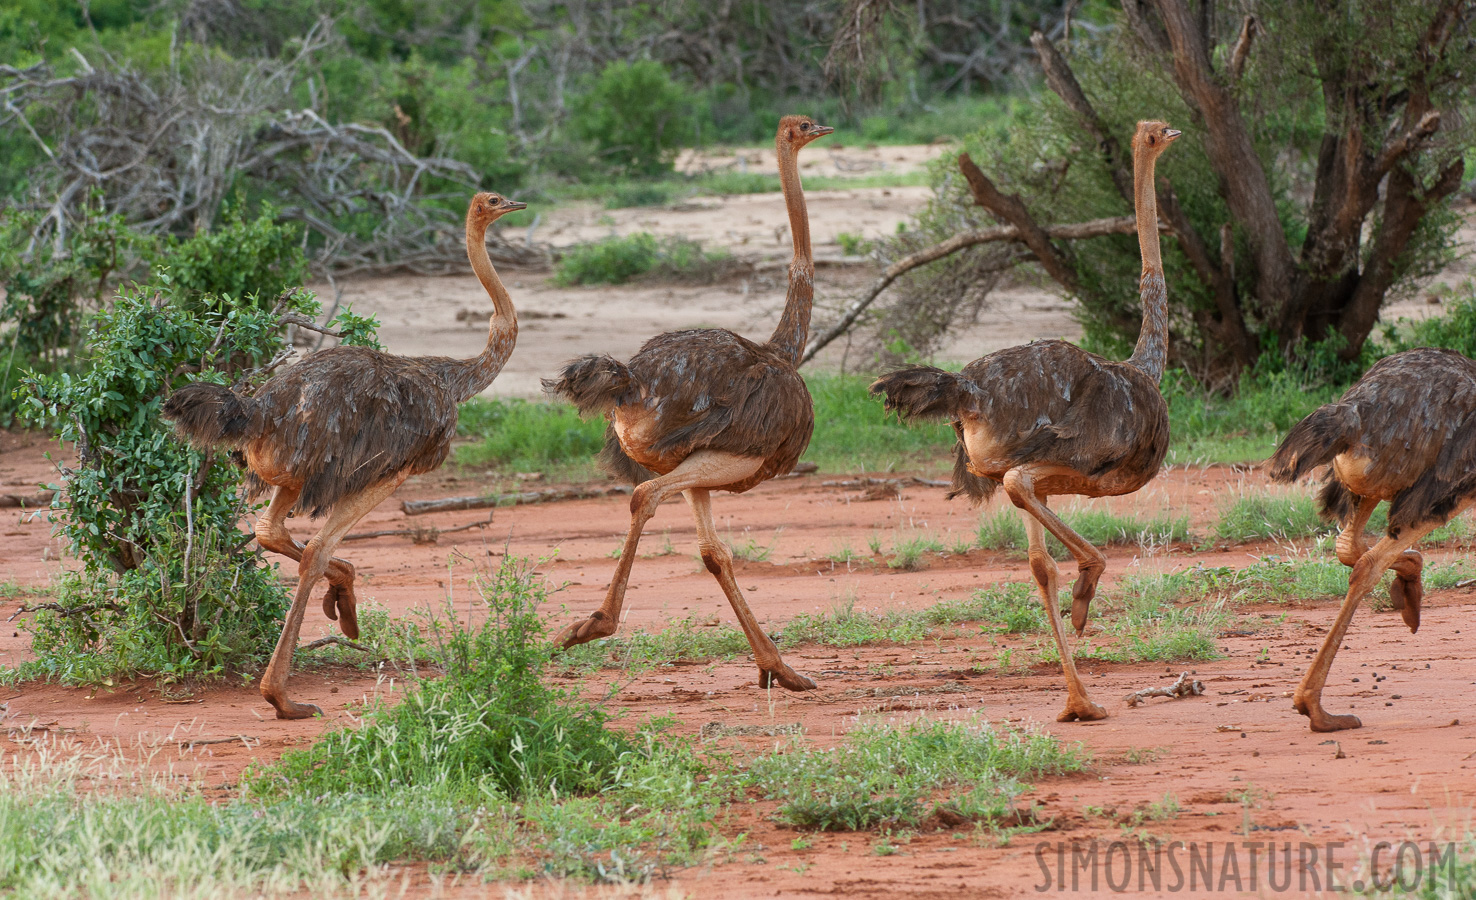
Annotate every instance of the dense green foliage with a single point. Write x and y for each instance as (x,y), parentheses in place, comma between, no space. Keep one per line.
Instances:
(616,260)
(637,117)
(238,259)
(488,723)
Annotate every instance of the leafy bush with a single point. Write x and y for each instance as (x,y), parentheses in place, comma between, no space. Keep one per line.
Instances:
(50,288)
(260,258)
(488,725)
(637,116)
(616,260)
(1454,329)
(165,586)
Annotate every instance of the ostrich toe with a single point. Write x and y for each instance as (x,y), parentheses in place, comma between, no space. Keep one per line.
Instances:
(786,678)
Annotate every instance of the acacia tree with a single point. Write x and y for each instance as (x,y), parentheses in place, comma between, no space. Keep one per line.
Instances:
(1324,140)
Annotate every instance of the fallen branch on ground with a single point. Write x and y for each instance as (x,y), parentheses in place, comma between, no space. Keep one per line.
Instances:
(426,535)
(338,640)
(872,482)
(189,745)
(1184,687)
(452,504)
(28,501)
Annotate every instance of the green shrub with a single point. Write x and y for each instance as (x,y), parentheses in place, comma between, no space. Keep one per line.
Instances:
(259,258)
(616,260)
(1265,516)
(488,724)
(1454,329)
(50,289)
(637,117)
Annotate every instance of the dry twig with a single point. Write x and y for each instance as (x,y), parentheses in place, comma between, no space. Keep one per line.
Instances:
(1184,687)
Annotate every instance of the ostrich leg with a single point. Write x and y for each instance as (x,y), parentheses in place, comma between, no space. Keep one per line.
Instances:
(272,534)
(703,469)
(1078,705)
(1090,562)
(719,561)
(317,556)
(1407,591)
(1366,573)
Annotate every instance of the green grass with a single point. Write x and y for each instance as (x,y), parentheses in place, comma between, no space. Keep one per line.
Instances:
(853,435)
(519,436)
(1003,530)
(1244,427)
(886,777)
(1261,515)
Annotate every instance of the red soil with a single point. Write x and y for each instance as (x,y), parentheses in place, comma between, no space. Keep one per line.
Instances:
(1242,739)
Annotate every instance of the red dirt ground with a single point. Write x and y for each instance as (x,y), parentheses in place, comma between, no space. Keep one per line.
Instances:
(1407,774)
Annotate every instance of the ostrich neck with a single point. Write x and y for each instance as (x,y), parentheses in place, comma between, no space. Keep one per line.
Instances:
(471,376)
(793,330)
(1151,353)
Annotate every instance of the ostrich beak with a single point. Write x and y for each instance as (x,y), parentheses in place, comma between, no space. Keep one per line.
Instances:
(821,131)
(513,205)
(1170,134)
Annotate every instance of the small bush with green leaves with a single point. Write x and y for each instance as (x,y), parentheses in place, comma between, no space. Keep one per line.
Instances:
(1004,530)
(50,288)
(259,258)
(165,585)
(637,116)
(616,260)
(489,723)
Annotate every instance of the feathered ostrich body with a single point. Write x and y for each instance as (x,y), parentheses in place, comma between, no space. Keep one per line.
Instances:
(1405,433)
(1050,418)
(704,410)
(337,433)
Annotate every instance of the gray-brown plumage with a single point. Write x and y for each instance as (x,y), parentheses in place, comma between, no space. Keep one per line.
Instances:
(1406,434)
(707,409)
(338,432)
(1050,418)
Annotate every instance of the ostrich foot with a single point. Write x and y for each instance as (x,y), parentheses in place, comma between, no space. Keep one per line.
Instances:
(786,678)
(1407,594)
(287,709)
(340,604)
(1321,720)
(1082,593)
(598,625)
(1080,709)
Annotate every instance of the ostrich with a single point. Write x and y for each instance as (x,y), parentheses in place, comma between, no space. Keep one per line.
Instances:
(1406,433)
(707,410)
(337,434)
(1050,418)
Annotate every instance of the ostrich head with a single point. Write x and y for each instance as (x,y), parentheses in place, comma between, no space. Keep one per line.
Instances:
(487,207)
(797,131)
(1154,136)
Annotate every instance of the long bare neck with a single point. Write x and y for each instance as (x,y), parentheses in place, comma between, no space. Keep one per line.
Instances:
(793,330)
(1151,353)
(471,376)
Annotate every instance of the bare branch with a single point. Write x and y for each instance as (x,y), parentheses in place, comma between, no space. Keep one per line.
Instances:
(1241,51)
(1012,209)
(960,241)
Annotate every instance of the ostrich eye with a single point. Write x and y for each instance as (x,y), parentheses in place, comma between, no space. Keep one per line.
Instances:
(805,126)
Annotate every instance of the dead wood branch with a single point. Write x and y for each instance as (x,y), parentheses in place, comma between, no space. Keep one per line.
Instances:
(429,534)
(1012,209)
(205,742)
(26,501)
(1184,687)
(1241,51)
(337,640)
(452,504)
(65,610)
(960,241)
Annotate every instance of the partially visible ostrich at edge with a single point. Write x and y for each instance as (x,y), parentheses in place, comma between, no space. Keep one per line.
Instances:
(1405,433)
(704,410)
(1050,418)
(337,433)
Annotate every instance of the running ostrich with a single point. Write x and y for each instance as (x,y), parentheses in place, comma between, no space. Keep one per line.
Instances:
(1405,433)
(704,410)
(1050,418)
(337,434)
